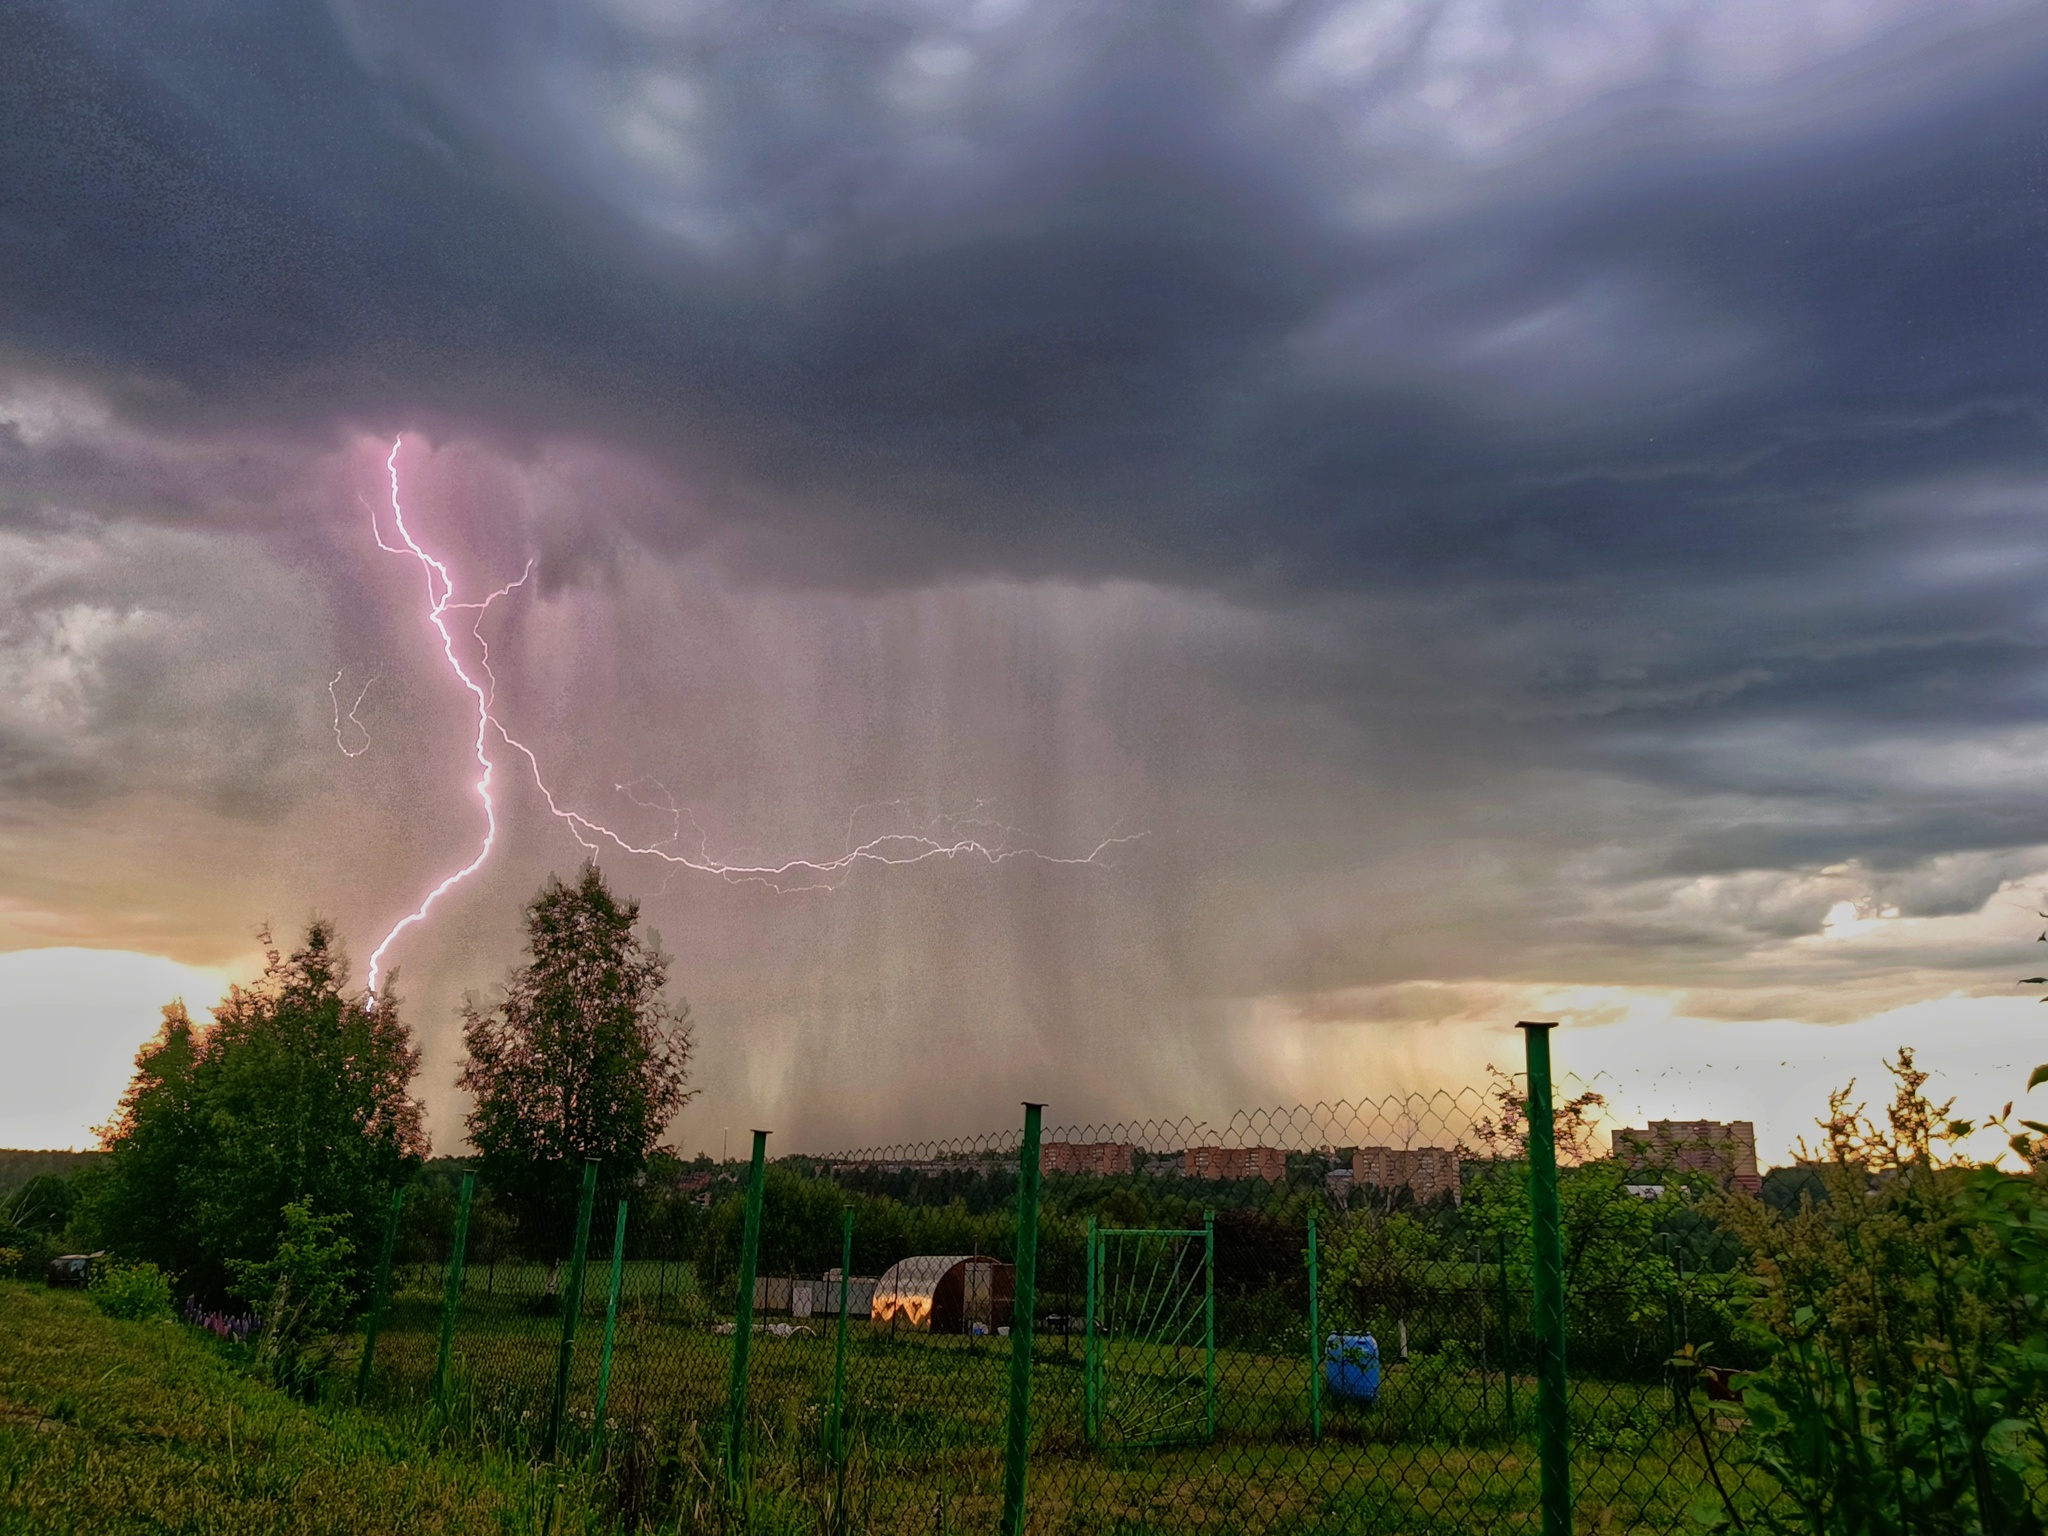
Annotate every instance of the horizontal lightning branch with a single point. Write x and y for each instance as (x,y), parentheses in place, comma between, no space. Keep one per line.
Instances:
(967,834)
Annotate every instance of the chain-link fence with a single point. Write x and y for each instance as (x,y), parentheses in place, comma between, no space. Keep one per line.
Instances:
(1391,1317)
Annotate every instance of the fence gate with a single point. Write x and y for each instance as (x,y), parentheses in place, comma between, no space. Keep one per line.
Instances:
(1149,1364)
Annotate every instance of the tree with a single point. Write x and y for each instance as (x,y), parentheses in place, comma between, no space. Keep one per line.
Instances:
(581,1058)
(154,1136)
(296,1094)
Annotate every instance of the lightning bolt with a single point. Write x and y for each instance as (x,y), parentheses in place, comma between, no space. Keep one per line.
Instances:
(972,833)
(440,603)
(335,699)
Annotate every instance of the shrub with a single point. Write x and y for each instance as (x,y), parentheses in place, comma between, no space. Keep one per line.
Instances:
(306,1291)
(44,1204)
(1906,1322)
(23,1253)
(130,1290)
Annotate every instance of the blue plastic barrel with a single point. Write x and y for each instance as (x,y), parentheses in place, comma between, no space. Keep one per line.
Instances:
(1351,1367)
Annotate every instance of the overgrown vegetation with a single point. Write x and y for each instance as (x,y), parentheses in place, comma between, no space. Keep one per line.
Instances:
(111,1428)
(36,1220)
(1905,1319)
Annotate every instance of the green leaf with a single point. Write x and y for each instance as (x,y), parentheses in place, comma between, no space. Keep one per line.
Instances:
(2008,1440)
(1708,1515)
(2039,1075)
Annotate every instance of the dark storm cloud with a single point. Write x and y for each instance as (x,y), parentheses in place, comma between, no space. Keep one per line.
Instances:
(1680,423)
(1115,316)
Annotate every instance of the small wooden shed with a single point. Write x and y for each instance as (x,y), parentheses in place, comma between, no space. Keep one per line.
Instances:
(946,1293)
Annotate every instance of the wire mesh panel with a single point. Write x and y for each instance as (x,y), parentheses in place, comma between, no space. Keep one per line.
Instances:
(1151,1334)
(1308,1320)
(1395,1391)
(1656,1294)
(928,1364)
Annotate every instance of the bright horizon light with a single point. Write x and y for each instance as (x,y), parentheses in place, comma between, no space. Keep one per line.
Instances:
(71,1021)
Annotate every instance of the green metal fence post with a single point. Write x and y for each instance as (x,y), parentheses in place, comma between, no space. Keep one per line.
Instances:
(611,1323)
(838,1440)
(1315,1343)
(379,1293)
(1553,1407)
(1020,1325)
(1507,1336)
(572,1310)
(743,1325)
(451,1294)
(1479,1308)
(1091,1406)
(1209,1322)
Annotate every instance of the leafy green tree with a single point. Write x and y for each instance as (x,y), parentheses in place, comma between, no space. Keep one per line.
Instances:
(153,1140)
(581,1058)
(297,1093)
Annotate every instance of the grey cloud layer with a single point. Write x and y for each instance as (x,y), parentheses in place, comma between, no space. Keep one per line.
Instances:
(1614,436)
(1107,306)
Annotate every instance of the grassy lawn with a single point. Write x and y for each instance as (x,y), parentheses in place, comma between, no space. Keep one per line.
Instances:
(112,1427)
(1438,1455)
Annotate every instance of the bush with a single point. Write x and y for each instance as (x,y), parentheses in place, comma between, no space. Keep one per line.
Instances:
(1905,1319)
(130,1290)
(306,1293)
(25,1254)
(44,1204)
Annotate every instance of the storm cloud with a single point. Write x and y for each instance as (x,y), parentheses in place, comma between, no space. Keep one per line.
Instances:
(1504,497)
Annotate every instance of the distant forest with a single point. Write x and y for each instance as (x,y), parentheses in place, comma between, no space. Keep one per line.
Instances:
(17,1167)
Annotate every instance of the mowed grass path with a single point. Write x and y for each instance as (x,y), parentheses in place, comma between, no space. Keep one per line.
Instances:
(111,1427)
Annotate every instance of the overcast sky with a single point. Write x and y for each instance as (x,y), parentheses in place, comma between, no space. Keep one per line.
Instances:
(1515,509)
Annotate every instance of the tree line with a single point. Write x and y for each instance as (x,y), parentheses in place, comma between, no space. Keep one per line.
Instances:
(255,1155)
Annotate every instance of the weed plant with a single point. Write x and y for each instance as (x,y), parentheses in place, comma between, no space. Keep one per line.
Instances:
(132,1291)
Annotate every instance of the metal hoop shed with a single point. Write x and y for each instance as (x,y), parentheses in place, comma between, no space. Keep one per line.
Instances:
(946,1293)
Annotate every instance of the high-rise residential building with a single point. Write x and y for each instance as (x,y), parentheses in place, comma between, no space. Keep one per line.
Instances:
(1724,1148)
(1268,1163)
(1107,1158)
(1425,1172)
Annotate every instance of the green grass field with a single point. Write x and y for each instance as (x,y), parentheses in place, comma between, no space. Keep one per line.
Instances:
(150,1427)
(925,1419)
(110,1428)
